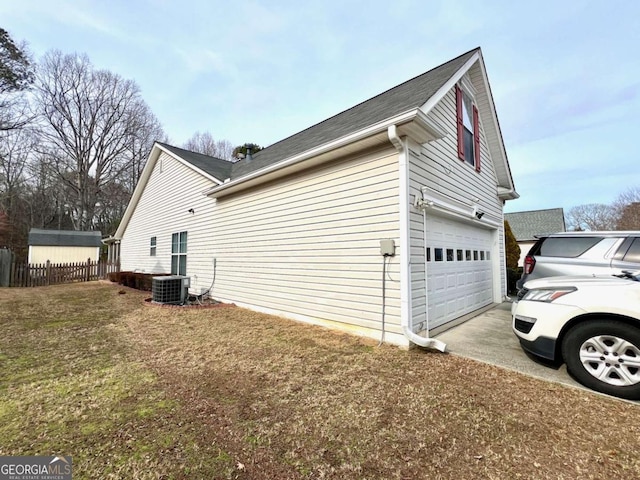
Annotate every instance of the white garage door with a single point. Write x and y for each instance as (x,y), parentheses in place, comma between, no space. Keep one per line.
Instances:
(459,269)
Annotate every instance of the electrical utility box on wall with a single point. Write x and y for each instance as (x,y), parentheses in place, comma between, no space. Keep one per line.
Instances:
(387,248)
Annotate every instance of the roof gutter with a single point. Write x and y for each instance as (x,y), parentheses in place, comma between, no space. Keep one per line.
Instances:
(230,186)
(405,257)
(507,193)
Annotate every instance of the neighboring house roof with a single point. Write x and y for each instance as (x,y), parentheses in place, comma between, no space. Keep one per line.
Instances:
(64,238)
(404,97)
(526,225)
(216,167)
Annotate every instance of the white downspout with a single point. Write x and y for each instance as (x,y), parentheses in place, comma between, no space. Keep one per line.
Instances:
(426,273)
(405,257)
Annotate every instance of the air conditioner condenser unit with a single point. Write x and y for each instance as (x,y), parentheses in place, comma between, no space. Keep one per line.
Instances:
(173,289)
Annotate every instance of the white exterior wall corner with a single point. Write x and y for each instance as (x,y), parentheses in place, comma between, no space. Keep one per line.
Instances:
(307,246)
(163,209)
(438,167)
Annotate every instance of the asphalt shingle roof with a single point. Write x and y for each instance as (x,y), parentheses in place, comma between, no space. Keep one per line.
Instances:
(216,167)
(526,225)
(404,97)
(64,238)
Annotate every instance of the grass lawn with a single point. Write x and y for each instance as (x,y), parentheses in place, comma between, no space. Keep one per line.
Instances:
(139,391)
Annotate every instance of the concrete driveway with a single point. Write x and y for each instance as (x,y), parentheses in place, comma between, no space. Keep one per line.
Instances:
(488,338)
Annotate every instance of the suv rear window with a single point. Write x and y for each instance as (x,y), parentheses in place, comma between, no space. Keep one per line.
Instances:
(569,247)
(633,254)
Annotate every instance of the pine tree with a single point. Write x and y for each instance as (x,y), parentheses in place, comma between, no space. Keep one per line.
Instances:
(511,246)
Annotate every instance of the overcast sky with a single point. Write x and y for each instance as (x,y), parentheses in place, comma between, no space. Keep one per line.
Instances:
(565,75)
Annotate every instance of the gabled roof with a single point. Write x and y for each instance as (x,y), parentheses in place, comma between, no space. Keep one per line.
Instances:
(404,97)
(405,106)
(216,167)
(526,225)
(216,170)
(367,124)
(64,238)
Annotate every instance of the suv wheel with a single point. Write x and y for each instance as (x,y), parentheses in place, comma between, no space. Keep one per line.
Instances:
(605,355)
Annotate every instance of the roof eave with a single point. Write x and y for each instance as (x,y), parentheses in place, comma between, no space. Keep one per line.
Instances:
(507,193)
(413,123)
(156,150)
(506,190)
(190,165)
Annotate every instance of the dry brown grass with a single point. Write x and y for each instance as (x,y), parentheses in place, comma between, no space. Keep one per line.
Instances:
(134,391)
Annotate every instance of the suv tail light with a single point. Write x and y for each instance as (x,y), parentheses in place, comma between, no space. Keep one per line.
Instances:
(529,263)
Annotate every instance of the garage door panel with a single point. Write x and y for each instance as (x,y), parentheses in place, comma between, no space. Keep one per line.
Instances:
(452,281)
(461,281)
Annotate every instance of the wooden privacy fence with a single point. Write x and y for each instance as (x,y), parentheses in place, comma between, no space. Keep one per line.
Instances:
(43,274)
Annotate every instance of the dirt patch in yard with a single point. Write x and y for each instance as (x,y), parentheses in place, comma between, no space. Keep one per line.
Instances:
(136,392)
(204,303)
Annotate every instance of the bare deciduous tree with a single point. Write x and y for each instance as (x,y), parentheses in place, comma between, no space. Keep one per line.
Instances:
(628,204)
(46,196)
(145,130)
(15,149)
(92,124)
(594,216)
(205,143)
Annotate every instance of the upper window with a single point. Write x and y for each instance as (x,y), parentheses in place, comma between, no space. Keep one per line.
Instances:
(468,129)
(179,253)
(152,247)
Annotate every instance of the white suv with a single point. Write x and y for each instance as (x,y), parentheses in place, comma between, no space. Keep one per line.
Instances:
(590,323)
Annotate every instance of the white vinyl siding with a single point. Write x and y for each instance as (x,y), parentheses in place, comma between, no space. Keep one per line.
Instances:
(308,246)
(172,190)
(436,165)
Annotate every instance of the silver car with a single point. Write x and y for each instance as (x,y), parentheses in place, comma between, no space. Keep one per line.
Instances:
(582,253)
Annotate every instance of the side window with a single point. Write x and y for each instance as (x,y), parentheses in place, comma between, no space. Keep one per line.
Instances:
(152,247)
(179,253)
(633,254)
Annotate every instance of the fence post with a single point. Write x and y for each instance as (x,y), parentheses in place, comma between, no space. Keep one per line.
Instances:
(5,267)
(47,275)
(88,272)
(12,279)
